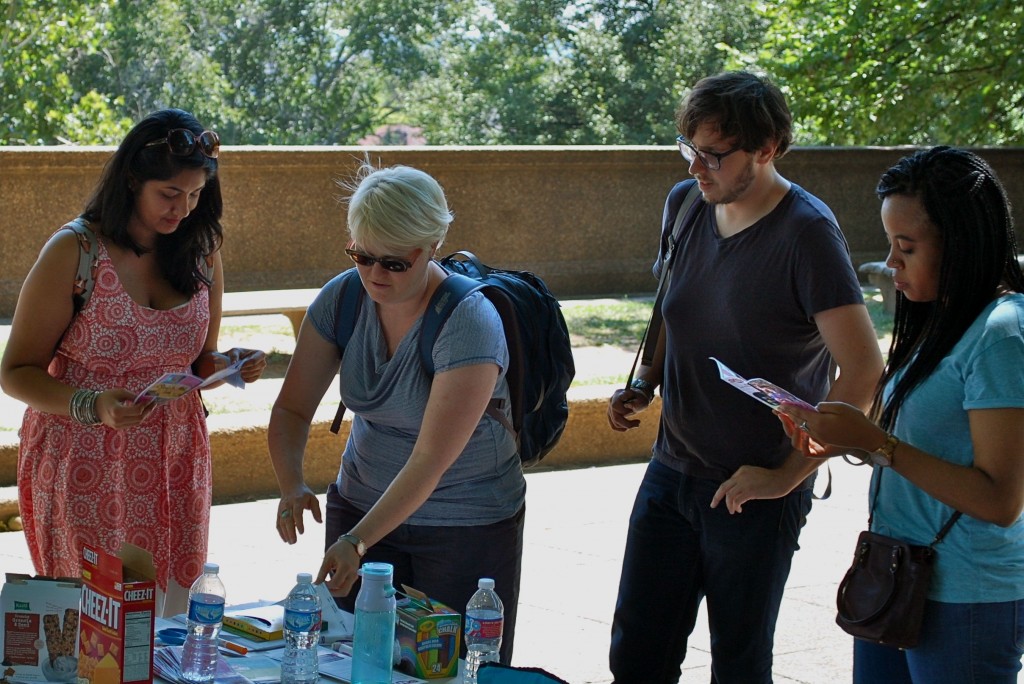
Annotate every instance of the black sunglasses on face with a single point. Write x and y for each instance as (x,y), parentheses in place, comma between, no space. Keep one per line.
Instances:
(393,264)
(711,160)
(182,142)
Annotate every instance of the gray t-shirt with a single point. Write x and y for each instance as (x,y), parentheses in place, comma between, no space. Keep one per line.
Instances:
(388,397)
(750,301)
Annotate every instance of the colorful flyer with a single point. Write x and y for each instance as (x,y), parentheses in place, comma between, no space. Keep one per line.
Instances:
(767,393)
(171,386)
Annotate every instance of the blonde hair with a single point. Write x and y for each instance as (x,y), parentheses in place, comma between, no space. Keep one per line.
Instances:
(396,208)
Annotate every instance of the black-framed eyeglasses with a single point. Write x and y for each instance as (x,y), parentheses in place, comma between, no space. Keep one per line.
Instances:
(182,142)
(393,264)
(712,161)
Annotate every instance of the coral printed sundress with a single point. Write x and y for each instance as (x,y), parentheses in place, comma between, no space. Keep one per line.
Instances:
(149,484)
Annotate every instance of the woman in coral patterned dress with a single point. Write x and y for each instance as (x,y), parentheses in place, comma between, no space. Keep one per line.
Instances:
(95,467)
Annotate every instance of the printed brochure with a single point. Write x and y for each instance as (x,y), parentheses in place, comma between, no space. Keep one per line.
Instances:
(171,386)
(767,393)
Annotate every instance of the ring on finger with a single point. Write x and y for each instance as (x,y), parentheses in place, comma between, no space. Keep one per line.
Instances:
(286,513)
(803,426)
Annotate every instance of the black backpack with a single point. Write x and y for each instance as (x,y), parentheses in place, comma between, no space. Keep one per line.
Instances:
(540,355)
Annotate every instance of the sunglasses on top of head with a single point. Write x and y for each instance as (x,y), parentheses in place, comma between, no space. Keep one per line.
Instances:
(393,264)
(182,142)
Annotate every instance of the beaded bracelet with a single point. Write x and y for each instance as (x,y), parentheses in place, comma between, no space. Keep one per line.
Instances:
(82,407)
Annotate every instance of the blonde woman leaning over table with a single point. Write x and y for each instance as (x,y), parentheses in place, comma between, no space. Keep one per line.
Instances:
(947,426)
(94,467)
(428,481)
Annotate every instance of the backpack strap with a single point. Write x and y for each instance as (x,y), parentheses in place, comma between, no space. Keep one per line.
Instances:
(446,297)
(88,254)
(346,311)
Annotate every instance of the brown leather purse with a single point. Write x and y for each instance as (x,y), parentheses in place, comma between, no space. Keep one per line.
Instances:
(882,597)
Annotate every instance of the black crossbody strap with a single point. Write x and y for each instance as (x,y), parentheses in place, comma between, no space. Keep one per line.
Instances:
(938,537)
(645,352)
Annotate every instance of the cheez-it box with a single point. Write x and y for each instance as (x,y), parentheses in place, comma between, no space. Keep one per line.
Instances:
(118,604)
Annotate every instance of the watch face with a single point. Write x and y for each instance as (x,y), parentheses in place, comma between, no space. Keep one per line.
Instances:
(880,459)
(356,543)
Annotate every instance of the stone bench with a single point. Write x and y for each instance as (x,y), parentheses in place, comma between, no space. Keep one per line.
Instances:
(290,303)
(880,275)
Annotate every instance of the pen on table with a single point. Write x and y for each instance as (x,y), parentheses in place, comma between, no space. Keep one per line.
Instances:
(232,646)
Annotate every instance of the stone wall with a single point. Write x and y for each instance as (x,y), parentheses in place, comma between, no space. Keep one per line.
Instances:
(584,218)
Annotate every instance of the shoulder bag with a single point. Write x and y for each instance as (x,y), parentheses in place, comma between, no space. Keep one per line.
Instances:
(882,597)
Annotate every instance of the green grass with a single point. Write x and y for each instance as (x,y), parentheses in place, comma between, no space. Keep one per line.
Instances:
(619,323)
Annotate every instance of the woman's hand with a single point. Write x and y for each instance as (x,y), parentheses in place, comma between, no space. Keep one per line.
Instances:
(834,428)
(624,404)
(290,512)
(341,566)
(210,362)
(116,408)
(255,362)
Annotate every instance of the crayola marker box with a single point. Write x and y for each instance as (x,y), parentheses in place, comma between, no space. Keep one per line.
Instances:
(115,642)
(428,632)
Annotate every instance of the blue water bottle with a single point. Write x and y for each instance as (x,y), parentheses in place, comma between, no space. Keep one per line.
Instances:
(205,614)
(374,638)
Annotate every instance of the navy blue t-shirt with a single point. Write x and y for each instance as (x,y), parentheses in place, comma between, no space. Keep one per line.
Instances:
(750,301)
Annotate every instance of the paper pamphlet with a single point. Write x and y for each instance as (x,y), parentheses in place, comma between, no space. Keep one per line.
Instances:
(171,386)
(765,392)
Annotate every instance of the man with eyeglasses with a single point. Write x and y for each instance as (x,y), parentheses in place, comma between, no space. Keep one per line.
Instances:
(761,279)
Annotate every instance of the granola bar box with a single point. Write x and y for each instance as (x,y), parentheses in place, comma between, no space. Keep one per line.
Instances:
(115,644)
(39,628)
(428,632)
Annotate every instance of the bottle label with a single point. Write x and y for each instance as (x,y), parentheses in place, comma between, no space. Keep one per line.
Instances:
(209,610)
(486,628)
(298,621)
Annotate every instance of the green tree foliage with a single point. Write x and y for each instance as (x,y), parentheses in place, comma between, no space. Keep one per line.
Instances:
(877,72)
(46,95)
(562,72)
(466,72)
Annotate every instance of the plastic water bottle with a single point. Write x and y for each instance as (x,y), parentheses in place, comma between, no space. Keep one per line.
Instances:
(485,620)
(300,664)
(205,613)
(374,638)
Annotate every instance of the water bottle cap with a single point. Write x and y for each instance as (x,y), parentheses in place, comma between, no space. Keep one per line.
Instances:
(377,571)
(485,583)
(211,569)
(304,578)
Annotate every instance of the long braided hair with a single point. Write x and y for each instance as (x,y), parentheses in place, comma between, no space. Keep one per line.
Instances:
(970,211)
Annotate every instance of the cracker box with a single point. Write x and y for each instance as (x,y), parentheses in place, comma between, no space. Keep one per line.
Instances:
(429,634)
(118,606)
(39,629)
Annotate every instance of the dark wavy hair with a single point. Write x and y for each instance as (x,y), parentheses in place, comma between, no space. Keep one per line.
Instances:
(970,211)
(110,208)
(740,105)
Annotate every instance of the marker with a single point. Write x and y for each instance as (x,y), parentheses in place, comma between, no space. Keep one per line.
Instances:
(232,646)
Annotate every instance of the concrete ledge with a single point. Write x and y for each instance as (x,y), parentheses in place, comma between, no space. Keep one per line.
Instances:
(242,470)
(291,303)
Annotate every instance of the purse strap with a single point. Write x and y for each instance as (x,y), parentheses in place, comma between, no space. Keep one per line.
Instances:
(654,323)
(938,537)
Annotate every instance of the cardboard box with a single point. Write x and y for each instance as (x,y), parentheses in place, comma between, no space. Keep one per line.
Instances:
(39,629)
(118,606)
(429,634)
